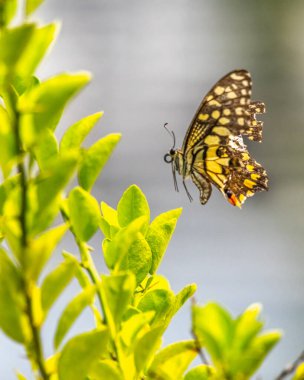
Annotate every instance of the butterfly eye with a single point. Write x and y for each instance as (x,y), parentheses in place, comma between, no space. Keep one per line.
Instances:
(168,158)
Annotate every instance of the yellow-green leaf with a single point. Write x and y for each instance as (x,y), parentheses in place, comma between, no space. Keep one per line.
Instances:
(171,362)
(105,369)
(159,234)
(55,282)
(138,259)
(12,301)
(201,372)
(8,152)
(132,205)
(8,10)
(160,301)
(46,151)
(95,158)
(42,106)
(299,375)
(116,291)
(84,213)
(72,312)
(32,5)
(81,353)
(75,135)
(214,327)
(146,347)
(39,250)
(116,249)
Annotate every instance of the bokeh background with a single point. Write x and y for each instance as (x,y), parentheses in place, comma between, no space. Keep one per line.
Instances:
(152,62)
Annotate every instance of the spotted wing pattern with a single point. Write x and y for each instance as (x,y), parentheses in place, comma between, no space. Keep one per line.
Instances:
(214,146)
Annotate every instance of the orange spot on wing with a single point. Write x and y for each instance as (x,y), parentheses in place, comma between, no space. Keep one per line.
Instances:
(232,199)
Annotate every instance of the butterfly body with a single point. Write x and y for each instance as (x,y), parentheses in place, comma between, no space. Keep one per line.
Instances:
(213,151)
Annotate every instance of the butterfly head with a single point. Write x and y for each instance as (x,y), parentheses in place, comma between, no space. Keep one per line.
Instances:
(174,157)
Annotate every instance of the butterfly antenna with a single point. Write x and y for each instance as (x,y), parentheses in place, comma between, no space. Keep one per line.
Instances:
(187,192)
(171,133)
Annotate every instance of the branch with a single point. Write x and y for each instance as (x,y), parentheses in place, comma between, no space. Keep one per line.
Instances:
(36,344)
(291,367)
(88,264)
(197,343)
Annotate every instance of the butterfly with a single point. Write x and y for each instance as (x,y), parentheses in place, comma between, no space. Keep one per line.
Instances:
(213,151)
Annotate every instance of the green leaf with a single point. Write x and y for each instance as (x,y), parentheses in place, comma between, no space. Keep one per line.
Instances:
(81,353)
(55,178)
(84,213)
(299,375)
(116,249)
(109,222)
(39,250)
(22,49)
(117,291)
(247,327)
(146,347)
(24,84)
(201,372)
(42,107)
(105,369)
(45,202)
(105,228)
(214,328)
(32,5)
(132,205)
(131,328)
(75,135)
(109,214)
(7,186)
(183,296)
(160,301)
(47,150)
(255,355)
(179,301)
(95,158)
(8,10)
(72,312)
(13,44)
(159,235)
(55,282)
(171,362)
(8,152)
(35,50)
(80,275)
(12,302)
(138,259)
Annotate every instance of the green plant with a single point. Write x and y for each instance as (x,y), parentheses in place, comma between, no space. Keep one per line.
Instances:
(133,305)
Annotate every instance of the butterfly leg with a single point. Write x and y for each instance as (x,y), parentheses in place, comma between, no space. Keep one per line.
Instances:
(187,191)
(203,185)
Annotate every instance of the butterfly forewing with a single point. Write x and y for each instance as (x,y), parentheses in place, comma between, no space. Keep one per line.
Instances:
(213,146)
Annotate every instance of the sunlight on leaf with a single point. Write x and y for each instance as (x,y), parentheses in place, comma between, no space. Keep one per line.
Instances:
(81,353)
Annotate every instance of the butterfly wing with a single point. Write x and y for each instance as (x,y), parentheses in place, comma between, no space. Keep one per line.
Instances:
(213,145)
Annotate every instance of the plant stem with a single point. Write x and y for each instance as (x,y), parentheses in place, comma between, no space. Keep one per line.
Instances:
(199,349)
(36,344)
(197,343)
(39,359)
(291,367)
(88,264)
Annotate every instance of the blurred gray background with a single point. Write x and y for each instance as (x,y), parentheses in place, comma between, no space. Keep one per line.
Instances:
(152,63)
